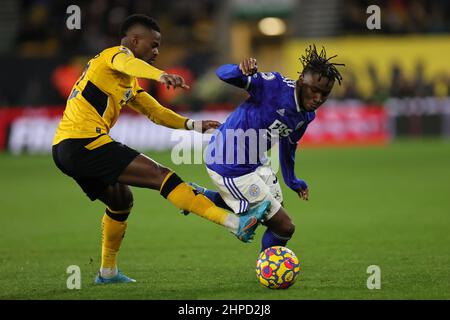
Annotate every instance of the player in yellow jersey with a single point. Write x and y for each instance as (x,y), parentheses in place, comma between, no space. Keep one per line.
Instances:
(104,168)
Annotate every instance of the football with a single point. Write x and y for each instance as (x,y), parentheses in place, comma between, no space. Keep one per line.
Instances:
(277,268)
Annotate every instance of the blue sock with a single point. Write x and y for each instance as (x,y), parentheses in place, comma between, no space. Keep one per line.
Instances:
(271,239)
(215,197)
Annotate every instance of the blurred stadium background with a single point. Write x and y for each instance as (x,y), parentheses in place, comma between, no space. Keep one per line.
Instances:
(396,86)
(397,78)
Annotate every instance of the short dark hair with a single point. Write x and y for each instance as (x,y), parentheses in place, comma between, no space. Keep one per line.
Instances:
(138,19)
(315,62)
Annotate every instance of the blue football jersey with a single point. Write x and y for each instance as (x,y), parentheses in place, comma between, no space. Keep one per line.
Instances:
(271,113)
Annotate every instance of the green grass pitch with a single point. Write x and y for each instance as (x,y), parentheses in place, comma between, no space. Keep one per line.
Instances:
(386,206)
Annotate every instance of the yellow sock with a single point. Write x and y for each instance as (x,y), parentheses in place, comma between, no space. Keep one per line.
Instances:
(112,234)
(185,197)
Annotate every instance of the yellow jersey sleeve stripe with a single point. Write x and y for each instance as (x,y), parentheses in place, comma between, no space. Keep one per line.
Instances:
(100,141)
(112,59)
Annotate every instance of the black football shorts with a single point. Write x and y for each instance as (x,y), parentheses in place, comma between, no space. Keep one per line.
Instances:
(95,169)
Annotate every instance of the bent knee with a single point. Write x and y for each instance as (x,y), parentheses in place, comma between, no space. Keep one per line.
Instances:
(120,208)
(287,228)
(122,200)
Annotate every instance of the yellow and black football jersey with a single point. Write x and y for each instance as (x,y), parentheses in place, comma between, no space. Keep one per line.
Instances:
(109,83)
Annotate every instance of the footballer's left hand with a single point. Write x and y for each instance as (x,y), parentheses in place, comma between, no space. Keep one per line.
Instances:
(303,194)
(206,125)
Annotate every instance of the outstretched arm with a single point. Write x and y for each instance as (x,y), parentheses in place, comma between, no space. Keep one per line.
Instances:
(238,75)
(246,76)
(287,162)
(134,67)
(148,106)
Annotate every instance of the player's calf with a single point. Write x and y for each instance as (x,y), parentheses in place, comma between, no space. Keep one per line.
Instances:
(280,230)
(143,172)
(119,201)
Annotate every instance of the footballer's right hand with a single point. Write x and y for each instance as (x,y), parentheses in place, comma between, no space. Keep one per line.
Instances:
(173,80)
(249,66)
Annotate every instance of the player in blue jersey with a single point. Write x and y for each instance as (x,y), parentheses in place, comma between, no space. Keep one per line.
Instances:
(277,110)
